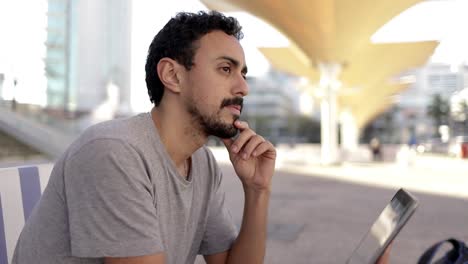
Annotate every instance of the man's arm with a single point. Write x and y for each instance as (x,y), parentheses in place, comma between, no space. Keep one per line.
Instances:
(110,202)
(150,259)
(253,159)
(249,246)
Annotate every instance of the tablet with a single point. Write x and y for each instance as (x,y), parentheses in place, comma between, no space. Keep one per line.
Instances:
(390,221)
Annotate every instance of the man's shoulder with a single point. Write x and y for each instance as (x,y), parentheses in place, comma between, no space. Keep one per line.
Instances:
(119,128)
(132,131)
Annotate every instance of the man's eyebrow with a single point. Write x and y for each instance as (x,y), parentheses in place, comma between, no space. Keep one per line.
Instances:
(234,62)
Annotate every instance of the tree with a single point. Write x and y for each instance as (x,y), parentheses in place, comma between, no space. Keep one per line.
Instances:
(460,118)
(439,110)
(308,128)
(464,107)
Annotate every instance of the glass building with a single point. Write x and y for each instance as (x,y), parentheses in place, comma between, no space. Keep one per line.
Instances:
(57,57)
(88,48)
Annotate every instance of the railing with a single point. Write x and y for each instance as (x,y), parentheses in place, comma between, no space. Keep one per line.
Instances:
(37,128)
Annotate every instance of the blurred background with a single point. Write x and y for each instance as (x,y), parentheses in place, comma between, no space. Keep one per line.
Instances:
(359,97)
(397,76)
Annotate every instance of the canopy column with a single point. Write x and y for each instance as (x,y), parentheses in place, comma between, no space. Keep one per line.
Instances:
(349,132)
(329,86)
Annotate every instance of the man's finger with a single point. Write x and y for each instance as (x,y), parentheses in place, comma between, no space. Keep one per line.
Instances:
(263,148)
(385,258)
(241,125)
(252,145)
(239,143)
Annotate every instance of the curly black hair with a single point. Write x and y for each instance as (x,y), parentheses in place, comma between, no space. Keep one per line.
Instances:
(177,40)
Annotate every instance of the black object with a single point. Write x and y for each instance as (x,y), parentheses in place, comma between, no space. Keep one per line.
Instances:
(457,255)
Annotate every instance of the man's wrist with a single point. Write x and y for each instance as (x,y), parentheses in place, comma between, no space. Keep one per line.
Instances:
(255,191)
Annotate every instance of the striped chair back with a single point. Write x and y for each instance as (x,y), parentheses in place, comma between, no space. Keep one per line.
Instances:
(20,190)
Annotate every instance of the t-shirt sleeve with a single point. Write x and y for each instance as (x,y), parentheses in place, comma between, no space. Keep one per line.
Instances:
(220,232)
(110,202)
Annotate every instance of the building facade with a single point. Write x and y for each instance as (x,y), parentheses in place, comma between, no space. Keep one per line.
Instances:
(271,105)
(88,48)
(411,109)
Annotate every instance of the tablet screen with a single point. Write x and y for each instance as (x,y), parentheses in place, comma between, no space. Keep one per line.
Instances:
(385,228)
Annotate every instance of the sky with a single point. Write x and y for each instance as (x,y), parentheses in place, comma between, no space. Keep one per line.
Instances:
(22,34)
(443,20)
(22,49)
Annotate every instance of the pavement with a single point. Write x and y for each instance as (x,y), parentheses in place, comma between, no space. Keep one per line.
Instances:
(318,214)
(432,174)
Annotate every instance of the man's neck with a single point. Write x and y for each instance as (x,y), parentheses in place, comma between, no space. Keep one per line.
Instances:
(177,134)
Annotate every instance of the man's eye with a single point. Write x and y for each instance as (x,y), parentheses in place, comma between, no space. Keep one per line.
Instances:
(226,69)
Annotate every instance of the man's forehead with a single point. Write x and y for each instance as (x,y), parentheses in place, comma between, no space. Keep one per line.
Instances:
(218,44)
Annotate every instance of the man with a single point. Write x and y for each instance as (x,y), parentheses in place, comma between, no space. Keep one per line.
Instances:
(145,189)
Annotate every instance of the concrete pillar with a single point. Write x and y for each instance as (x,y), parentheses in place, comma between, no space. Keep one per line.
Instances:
(329,86)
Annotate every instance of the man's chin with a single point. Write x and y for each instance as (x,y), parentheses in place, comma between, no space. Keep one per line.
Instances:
(222,128)
(223,131)
(226,133)
(227,136)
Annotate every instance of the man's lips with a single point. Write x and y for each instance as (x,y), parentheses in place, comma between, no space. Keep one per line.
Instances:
(235,109)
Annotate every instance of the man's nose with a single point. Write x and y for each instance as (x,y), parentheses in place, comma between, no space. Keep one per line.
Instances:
(241,87)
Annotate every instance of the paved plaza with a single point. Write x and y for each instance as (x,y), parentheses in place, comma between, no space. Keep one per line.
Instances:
(318,214)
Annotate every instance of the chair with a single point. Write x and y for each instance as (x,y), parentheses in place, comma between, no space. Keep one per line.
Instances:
(20,190)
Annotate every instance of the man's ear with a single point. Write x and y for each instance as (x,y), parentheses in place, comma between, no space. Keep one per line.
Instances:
(168,74)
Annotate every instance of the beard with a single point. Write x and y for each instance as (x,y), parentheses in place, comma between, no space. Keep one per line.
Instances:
(213,125)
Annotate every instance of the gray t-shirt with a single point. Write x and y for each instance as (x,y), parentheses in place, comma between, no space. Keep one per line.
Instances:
(115,192)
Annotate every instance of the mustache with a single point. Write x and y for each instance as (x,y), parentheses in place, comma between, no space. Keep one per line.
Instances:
(233,101)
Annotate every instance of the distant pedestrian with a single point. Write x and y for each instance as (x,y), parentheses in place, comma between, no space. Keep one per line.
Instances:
(376,149)
(13,100)
(412,143)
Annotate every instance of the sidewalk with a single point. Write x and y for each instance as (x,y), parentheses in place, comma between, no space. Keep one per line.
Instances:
(318,214)
(428,174)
